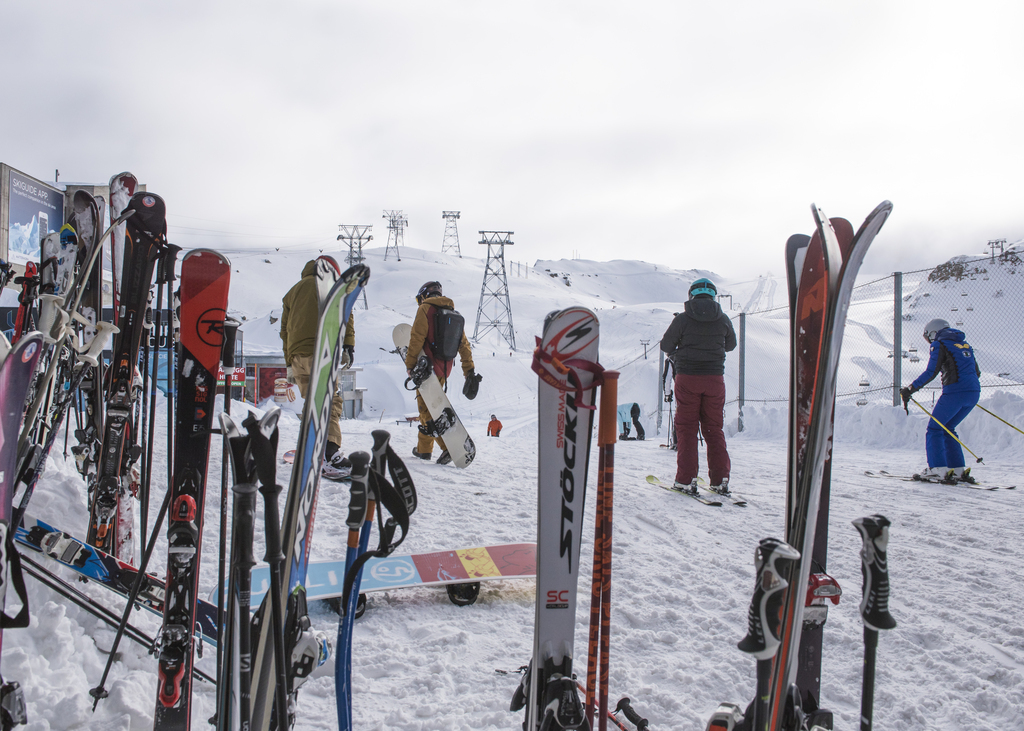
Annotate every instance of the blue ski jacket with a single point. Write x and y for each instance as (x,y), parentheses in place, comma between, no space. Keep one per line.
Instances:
(952,356)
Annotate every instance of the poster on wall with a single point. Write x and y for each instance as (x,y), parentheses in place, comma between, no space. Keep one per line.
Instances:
(35,209)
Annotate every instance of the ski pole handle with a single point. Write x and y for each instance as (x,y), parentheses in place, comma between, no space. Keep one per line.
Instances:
(763,620)
(358,495)
(635,718)
(874,604)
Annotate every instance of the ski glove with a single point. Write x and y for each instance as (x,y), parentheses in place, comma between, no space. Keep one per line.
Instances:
(348,355)
(472,386)
(290,375)
(905,393)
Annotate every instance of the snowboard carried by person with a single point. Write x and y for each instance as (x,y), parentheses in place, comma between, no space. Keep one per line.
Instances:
(438,420)
(429,347)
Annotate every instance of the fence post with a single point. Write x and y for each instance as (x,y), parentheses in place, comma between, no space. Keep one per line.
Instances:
(897,336)
(743,361)
(661,386)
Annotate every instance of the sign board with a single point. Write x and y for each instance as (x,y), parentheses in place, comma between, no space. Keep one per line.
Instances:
(29,210)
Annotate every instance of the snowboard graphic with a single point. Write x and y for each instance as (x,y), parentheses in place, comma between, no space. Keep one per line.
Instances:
(91,563)
(446,422)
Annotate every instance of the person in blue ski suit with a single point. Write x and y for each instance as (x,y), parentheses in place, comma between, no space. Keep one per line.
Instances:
(951,355)
(630,413)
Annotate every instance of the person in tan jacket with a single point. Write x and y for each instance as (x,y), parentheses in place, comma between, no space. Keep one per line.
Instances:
(429,298)
(300,314)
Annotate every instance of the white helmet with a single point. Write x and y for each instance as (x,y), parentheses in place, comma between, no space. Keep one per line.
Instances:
(933,327)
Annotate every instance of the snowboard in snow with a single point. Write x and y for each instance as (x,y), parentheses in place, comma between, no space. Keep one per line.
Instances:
(446,422)
(325,579)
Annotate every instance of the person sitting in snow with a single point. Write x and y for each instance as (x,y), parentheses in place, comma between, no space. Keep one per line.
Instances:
(952,356)
(300,314)
(430,298)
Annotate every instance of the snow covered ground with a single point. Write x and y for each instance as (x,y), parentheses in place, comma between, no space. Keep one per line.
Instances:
(682,573)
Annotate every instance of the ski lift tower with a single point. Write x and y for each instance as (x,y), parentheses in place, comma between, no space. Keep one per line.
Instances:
(355,237)
(451,233)
(396,232)
(494,292)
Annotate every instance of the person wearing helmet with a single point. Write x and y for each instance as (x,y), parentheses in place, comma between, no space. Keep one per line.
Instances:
(696,342)
(300,314)
(429,298)
(494,427)
(949,354)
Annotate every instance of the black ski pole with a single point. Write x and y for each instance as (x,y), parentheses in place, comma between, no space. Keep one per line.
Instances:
(165,275)
(147,467)
(147,416)
(228,363)
(264,449)
(874,605)
(764,619)
(99,691)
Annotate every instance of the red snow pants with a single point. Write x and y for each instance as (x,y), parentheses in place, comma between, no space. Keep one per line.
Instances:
(700,401)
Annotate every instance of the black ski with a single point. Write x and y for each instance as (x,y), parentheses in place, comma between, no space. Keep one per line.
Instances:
(110,515)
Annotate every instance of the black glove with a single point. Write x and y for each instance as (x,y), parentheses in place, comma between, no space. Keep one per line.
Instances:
(472,385)
(349,350)
(905,393)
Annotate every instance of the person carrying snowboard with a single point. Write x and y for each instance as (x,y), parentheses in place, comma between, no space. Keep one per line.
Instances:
(697,341)
(426,339)
(630,413)
(300,314)
(494,427)
(951,355)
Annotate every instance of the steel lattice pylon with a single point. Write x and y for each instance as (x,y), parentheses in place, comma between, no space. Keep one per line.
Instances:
(396,232)
(495,310)
(355,237)
(451,233)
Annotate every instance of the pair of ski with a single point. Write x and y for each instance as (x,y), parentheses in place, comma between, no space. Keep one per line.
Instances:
(284,607)
(821,272)
(716,501)
(958,483)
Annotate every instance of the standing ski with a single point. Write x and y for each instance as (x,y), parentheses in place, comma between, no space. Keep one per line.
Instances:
(300,505)
(110,513)
(16,373)
(122,188)
(205,276)
(566,362)
(818,321)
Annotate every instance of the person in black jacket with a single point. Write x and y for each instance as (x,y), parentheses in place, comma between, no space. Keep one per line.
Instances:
(697,341)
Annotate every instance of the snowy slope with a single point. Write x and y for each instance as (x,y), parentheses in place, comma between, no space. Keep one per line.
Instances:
(683,572)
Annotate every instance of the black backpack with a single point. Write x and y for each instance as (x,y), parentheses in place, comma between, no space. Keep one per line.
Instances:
(448,327)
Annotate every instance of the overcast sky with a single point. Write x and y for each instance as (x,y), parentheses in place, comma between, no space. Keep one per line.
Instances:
(684,133)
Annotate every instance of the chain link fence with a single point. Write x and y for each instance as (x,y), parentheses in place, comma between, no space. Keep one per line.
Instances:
(983,297)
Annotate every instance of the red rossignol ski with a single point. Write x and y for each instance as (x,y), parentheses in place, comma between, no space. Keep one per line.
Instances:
(205,276)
